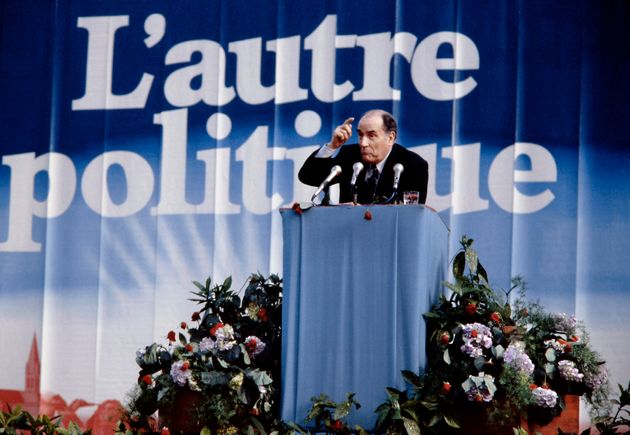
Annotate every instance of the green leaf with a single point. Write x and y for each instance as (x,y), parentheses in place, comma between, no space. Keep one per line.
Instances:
(451,421)
(411,426)
(446,357)
(435,420)
(411,378)
(459,264)
(227,283)
(482,272)
(215,378)
(472,260)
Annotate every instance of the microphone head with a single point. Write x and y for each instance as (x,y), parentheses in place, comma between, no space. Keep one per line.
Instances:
(398,168)
(335,170)
(357,167)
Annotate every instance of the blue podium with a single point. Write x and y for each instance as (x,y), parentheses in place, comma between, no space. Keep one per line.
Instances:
(354,294)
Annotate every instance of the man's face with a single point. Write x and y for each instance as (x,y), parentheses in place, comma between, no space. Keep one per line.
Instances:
(374,141)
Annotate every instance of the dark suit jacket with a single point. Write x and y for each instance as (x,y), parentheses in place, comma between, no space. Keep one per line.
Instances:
(415,175)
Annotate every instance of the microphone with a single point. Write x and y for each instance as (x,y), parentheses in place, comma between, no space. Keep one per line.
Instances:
(398,169)
(356,170)
(334,171)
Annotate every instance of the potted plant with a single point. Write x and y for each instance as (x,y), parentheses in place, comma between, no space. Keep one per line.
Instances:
(493,365)
(220,370)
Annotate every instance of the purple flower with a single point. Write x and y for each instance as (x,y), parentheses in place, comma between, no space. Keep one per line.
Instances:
(516,358)
(545,397)
(569,371)
(476,338)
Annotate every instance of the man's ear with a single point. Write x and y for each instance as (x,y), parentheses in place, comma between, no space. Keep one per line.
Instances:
(392,137)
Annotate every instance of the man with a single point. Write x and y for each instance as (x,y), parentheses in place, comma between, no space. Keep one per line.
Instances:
(377,150)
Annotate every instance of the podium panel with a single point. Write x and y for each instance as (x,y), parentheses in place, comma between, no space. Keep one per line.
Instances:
(354,294)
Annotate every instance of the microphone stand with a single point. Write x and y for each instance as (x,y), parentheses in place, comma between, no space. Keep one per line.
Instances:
(326,198)
(394,197)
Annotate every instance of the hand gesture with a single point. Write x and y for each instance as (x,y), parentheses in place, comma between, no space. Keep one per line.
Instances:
(341,134)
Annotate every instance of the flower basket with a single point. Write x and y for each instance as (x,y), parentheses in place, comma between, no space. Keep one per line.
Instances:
(220,371)
(568,420)
(180,415)
(496,362)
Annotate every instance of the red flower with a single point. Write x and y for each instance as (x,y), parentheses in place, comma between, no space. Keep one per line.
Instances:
(368,215)
(445,338)
(478,398)
(254,411)
(297,209)
(213,331)
(446,387)
(533,386)
(251,344)
(147,379)
(171,336)
(165,431)
(185,365)
(471,308)
(568,347)
(195,316)
(336,425)
(474,333)
(183,325)
(262,315)
(188,347)
(495,317)
(574,338)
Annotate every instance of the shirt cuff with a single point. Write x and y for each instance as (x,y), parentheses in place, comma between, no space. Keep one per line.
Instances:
(326,152)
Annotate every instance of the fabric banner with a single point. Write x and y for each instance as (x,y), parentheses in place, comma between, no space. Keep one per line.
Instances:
(148,144)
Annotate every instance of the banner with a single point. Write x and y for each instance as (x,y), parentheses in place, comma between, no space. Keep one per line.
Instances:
(148,144)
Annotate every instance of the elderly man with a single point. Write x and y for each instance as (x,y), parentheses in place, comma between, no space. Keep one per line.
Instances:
(378,152)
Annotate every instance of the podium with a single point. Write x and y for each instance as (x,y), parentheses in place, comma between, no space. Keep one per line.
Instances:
(354,294)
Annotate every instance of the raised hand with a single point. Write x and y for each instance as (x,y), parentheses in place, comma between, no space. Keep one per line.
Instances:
(341,134)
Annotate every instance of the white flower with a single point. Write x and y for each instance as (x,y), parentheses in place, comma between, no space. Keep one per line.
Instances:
(516,358)
(180,372)
(254,345)
(545,397)
(207,345)
(569,371)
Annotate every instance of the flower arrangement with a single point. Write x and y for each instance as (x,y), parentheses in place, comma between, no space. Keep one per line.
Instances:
(492,363)
(219,371)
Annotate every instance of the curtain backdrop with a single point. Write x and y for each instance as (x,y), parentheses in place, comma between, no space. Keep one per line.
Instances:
(148,144)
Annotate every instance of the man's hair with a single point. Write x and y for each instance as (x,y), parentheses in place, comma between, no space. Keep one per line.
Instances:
(390,123)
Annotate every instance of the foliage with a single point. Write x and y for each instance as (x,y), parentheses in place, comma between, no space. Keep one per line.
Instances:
(18,421)
(617,423)
(223,368)
(491,364)
(328,417)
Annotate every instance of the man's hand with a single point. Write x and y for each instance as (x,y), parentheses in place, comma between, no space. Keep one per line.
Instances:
(341,134)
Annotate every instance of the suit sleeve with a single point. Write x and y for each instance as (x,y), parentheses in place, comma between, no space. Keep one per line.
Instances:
(315,169)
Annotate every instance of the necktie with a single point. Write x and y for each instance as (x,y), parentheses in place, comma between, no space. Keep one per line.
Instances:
(372,182)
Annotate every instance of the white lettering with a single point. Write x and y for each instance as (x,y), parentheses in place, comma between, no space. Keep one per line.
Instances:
(379,50)
(255,154)
(323,43)
(288,87)
(100,66)
(425,66)
(139,184)
(178,88)
(502,178)
(23,205)
(248,68)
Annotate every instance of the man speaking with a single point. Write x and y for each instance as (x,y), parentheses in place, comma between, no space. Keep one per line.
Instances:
(373,170)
